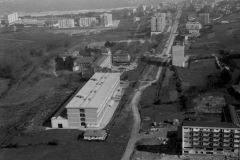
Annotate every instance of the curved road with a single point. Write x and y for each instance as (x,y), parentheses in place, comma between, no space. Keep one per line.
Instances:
(137,95)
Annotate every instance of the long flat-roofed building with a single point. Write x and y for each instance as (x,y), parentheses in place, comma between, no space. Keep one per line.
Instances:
(158,23)
(88,106)
(178,58)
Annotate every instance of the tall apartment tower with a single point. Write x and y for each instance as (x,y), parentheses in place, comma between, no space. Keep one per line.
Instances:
(106,19)
(204,18)
(158,23)
(10,18)
(87,21)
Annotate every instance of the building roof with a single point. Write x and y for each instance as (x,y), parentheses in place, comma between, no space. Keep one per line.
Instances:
(94,91)
(230,114)
(94,133)
(84,60)
(121,53)
(99,61)
(209,124)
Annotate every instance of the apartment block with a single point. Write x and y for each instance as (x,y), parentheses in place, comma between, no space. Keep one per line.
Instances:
(204,18)
(88,106)
(87,22)
(106,19)
(158,23)
(221,138)
(66,23)
(121,56)
(193,27)
(10,18)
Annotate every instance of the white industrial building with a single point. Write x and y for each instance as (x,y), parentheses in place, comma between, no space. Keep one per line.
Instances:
(10,18)
(158,23)
(88,106)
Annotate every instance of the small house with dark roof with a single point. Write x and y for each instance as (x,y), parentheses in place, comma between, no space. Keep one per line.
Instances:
(95,135)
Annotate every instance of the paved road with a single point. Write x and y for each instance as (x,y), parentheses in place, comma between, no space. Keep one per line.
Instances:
(137,95)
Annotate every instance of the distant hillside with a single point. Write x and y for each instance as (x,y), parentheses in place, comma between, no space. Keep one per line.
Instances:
(68,5)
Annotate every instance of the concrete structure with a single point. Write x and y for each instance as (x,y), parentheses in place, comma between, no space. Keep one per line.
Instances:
(10,18)
(66,23)
(178,58)
(103,61)
(222,138)
(121,56)
(158,23)
(95,135)
(87,22)
(193,27)
(106,19)
(88,106)
(204,18)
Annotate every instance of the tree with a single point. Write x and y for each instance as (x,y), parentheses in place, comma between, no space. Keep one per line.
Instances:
(68,63)
(6,71)
(60,63)
(107,44)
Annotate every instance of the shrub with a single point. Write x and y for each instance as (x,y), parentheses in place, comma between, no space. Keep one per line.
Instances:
(54,142)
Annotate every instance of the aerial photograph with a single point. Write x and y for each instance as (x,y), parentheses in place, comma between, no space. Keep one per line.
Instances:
(119,79)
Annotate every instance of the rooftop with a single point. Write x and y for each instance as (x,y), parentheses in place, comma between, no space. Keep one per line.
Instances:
(84,60)
(95,133)
(209,124)
(121,53)
(230,114)
(94,91)
(99,61)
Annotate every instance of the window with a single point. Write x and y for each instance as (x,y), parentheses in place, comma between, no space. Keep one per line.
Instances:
(82,115)
(82,110)
(82,119)
(219,149)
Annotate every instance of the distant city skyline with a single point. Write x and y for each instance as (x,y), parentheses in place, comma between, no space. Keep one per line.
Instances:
(29,6)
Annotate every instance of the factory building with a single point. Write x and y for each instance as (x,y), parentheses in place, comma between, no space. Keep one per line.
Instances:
(88,106)
(10,18)
(221,138)
(87,22)
(106,19)
(66,23)
(158,23)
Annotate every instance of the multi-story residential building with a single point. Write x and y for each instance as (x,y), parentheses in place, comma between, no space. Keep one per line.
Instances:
(121,56)
(66,23)
(83,65)
(10,18)
(193,27)
(88,106)
(158,23)
(178,58)
(87,21)
(204,18)
(221,138)
(103,61)
(106,19)
(133,10)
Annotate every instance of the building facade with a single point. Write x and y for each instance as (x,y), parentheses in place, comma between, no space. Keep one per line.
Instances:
(88,106)
(204,18)
(10,18)
(121,56)
(193,27)
(103,61)
(158,23)
(210,138)
(87,22)
(178,58)
(66,23)
(105,19)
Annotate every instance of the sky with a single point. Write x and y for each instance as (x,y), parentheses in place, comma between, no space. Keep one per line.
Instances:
(68,5)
